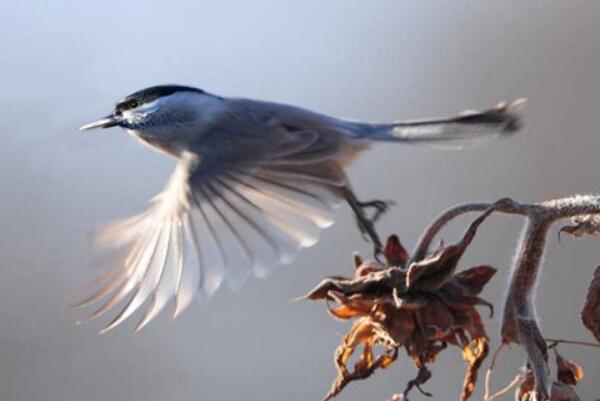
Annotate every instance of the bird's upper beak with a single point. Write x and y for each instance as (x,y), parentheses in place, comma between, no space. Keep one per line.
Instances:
(105,122)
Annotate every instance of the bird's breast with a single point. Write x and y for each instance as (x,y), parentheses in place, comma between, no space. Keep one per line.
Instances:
(170,146)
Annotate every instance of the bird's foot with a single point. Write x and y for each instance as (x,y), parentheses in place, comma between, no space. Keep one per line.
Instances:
(366,223)
(380,207)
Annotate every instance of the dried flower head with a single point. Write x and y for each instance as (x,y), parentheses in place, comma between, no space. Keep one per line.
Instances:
(420,305)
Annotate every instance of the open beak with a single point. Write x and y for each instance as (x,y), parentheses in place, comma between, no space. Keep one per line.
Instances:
(106,122)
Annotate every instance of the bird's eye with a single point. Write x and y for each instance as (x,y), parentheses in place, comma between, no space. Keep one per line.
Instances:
(133,104)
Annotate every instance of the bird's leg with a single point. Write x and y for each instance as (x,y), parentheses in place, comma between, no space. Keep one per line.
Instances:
(366,224)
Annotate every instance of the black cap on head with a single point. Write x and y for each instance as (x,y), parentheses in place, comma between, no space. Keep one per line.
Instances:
(152,93)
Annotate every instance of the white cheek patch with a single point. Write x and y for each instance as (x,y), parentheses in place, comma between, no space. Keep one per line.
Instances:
(140,113)
(129,116)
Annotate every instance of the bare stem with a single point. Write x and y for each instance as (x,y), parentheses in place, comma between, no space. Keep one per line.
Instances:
(555,209)
(556,341)
(428,236)
(488,379)
(500,393)
(504,205)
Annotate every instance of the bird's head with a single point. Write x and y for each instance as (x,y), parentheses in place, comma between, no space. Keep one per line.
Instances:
(157,109)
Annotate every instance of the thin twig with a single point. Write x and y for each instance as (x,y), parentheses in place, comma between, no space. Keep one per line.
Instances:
(555,341)
(488,372)
(515,381)
(488,378)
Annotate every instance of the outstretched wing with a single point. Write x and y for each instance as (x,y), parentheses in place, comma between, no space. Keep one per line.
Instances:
(220,222)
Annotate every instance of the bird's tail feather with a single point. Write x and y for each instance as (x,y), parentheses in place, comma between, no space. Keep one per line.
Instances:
(463,129)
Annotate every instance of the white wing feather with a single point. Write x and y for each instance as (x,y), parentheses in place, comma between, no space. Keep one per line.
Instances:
(206,229)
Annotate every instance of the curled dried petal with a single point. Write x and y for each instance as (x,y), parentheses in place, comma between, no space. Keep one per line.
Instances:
(399,324)
(362,333)
(436,320)
(357,259)
(590,315)
(394,252)
(349,307)
(408,301)
(374,283)
(473,280)
(322,290)
(474,353)
(460,292)
(435,270)
(471,322)
(568,372)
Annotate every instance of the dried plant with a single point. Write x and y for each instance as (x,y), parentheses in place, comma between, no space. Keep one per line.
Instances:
(590,315)
(568,373)
(421,304)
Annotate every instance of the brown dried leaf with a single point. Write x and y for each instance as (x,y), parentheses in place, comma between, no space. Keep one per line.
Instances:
(460,292)
(349,307)
(394,252)
(474,279)
(357,259)
(436,269)
(373,283)
(590,315)
(436,320)
(407,301)
(474,353)
(470,321)
(568,372)
(452,297)
(361,333)
(322,290)
(399,324)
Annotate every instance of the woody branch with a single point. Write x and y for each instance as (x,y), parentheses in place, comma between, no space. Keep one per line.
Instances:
(519,323)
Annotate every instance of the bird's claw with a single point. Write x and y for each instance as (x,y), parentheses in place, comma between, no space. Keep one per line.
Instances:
(380,207)
(366,225)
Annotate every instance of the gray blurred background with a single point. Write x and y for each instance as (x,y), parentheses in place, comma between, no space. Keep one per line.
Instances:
(64,63)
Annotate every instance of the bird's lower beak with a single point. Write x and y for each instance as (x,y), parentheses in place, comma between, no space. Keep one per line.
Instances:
(106,122)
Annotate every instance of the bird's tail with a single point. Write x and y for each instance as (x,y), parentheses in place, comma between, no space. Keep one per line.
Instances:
(463,129)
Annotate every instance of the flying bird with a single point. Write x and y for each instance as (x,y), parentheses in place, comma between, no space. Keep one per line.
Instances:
(254,183)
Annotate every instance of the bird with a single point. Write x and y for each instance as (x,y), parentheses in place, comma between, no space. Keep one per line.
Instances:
(254,183)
